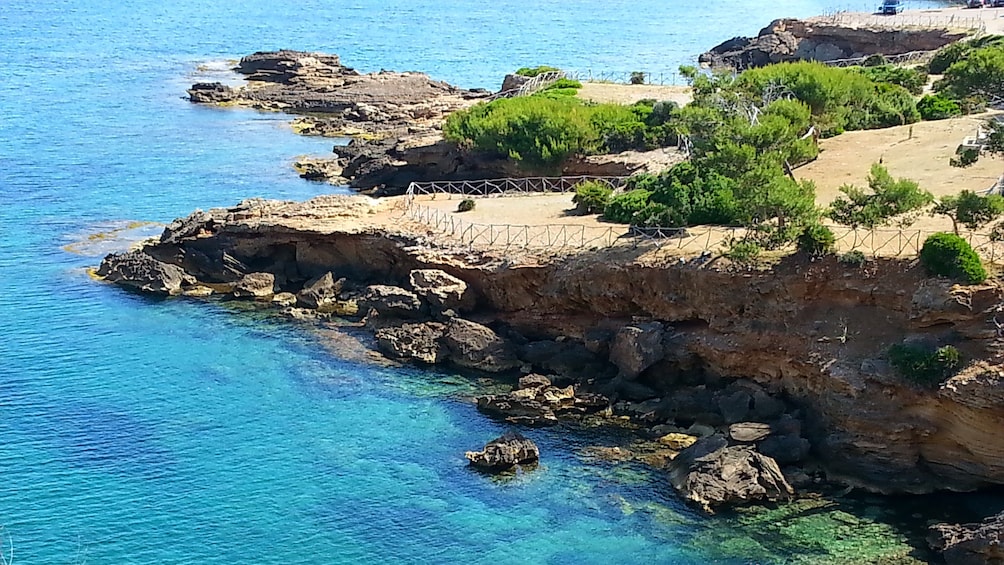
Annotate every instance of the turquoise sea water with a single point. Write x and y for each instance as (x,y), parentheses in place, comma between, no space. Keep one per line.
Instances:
(135,430)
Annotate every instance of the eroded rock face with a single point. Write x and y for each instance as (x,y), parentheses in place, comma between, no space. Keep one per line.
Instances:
(819,40)
(970,544)
(713,475)
(505,453)
(141,271)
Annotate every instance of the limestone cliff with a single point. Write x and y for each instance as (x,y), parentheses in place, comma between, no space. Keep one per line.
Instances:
(813,333)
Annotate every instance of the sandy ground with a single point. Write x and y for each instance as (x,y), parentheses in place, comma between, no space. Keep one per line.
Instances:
(631,93)
(990,20)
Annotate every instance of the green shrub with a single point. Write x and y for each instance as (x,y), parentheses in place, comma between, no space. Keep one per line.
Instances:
(655,215)
(561,87)
(536,130)
(938,107)
(980,73)
(816,239)
(623,207)
(888,198)
(965,157)
(855,258)
(923,365)
(637,77)
(592,197)
(911,79)
(949,255)
(743,253)
(466,205)
(946,57)
(534,71)
(840,99)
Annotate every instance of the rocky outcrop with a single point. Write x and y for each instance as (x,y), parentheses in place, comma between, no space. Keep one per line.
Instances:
(391,302)
(143,272)
(820,40)
(712,475)
(321,293)
(970,544)
(418,342)
(377,104)
(463,343)
(474,346)
(440,290)
(536,402)
(259,286)
(636,348)
(505,453)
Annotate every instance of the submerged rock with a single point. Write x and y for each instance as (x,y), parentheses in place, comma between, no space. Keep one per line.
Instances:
(970,544)
(505,453)
(138,270)
(713,475)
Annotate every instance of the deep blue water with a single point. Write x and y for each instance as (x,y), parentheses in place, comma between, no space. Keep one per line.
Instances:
(174,431)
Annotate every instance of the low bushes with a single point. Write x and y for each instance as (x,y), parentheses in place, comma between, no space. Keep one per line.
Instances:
(949,255)
(531,72)
(886,199)
(541,131)
(592,197)
(466,205)
(923,365)
(816,239)
(938,107)
(623,207)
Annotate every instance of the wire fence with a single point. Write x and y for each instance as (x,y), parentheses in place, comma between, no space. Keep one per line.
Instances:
(541,81)
(698,240)
(911,58)
(668,78)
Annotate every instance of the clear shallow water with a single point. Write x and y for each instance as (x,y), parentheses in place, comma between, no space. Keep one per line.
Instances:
(144,431)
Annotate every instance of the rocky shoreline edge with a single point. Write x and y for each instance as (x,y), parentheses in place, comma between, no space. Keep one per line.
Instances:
(758,384)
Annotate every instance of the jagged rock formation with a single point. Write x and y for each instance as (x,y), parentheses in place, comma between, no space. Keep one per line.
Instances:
(505,453)
(537,402)
(818,40)
(377,104)
(970,544)
(800,348)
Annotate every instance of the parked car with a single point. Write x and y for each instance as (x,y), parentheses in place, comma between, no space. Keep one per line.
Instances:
(891,7)
(998,4)
(978,3)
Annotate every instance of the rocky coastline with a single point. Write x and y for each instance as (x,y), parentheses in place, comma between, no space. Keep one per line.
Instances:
(750,386)
(757,384)
(393,120)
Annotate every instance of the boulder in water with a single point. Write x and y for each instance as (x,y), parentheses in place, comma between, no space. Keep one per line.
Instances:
(504,453)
